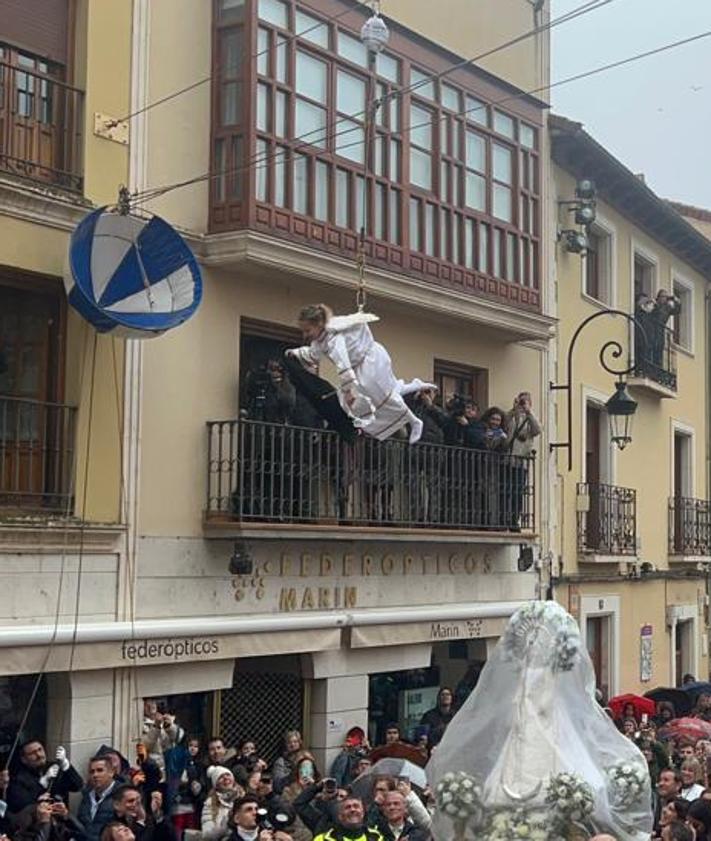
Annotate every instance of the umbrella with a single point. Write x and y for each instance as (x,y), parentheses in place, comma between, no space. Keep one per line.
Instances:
(399,750)
(391,767)
(680,700)
(693,690)
(641,705)
(691,728)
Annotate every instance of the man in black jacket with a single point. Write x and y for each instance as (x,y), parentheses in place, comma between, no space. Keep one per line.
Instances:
(128,810)
(34,776)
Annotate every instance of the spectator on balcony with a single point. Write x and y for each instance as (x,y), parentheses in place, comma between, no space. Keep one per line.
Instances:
(269,395)
(522,428)
(463,427)
(665,306)
(434,419)
(495,482)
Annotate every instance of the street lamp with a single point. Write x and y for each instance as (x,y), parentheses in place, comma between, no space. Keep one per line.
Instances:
(620,407)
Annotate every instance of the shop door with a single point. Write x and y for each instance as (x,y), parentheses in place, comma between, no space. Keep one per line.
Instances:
(262,706)
(597,635)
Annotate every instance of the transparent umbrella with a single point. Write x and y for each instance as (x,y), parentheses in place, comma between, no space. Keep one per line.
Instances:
(391,767)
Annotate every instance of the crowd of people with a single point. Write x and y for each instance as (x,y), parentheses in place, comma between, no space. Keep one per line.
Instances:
(180,788)
(679,762)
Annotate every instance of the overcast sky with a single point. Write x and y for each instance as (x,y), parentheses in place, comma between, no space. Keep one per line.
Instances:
(654,115)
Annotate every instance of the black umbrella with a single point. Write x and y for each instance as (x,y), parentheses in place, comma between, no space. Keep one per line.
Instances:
(693,690)
(322,396)
(681,701)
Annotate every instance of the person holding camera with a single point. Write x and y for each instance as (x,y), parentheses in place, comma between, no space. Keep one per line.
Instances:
(249,823)
(463,427)
(160,732)
(47,820)
(522,428)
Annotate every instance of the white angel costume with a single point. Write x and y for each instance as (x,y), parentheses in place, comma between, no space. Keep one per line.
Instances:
(532,717)
(368,389)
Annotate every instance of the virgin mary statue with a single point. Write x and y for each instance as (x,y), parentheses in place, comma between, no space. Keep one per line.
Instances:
(531,744)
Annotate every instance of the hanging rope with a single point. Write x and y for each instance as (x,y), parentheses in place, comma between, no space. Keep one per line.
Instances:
(369,130)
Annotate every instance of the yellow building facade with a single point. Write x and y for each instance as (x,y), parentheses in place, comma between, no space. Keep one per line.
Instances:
(632,525)
(61,385)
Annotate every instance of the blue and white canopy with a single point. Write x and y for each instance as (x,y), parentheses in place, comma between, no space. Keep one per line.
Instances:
(132,276)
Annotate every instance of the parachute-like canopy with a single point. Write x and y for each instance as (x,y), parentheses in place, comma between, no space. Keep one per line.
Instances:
(132,276)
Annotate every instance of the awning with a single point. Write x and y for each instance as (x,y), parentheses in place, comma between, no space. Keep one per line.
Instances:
(153,652)
(435,631)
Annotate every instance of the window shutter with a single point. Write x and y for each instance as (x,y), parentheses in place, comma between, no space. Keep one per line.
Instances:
(37,26)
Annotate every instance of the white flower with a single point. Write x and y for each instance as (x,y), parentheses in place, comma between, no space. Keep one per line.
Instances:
(467,783)
(446,797)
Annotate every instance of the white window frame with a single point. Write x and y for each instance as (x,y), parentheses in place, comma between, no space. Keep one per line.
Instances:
(592,606)
(639,249)
(603,226)
(690,433)
(598,399)
(678,279)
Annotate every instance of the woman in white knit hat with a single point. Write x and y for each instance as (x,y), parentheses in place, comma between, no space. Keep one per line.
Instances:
(218,806)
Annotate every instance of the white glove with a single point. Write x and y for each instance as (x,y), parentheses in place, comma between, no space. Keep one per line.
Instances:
(62,759)
(195,787)
(50,774)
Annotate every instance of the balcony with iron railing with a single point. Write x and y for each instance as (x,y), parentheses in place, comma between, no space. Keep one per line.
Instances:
(607,519)
(37,443)
(264,473)
(41,123)
(689,527)
(655,362)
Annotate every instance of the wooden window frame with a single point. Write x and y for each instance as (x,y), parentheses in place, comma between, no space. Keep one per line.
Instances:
(478,379)
(446,262)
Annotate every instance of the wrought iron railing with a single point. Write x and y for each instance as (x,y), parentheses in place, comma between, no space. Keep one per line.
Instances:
(655,356)
(41,121)
(36,454)
(270,473)
(607,519)
(689,526)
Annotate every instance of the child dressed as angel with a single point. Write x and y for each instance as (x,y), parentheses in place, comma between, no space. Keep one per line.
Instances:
(368,390)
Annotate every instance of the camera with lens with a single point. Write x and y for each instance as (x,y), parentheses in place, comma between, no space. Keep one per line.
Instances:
(457,405)
(276,818)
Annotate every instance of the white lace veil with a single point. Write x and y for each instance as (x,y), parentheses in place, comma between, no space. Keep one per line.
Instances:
(533,715)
